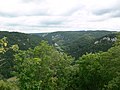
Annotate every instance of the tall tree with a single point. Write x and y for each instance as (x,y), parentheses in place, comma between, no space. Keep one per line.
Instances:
(42,68)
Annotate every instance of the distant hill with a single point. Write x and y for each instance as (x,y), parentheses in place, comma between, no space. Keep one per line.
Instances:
(90,45)
(24,41)
(77,43)
(66,41)
(63,37)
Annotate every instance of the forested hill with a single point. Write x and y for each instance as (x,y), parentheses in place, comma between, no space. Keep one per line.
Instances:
(74,43)
(77,43)
(62,38)
(28,62)
(24,41)
(69,36)
(90,45)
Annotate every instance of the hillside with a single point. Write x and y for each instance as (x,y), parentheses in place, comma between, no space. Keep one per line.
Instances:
(88,44)
(63,37)
(74,43)
(45,68)
(77,43)
(24,41)
(94,58)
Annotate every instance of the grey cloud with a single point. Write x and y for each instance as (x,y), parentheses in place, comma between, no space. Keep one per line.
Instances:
(38,14)
(12,24)
(70,12)
(34,13)
(116,13)
(113,11)
(73,10)
(48,23)
(44,24)
(36,10)
(102,11)
(3,14)
(54,21)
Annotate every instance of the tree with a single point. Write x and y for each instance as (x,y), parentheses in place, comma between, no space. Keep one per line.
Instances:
(6,62)
(42,68)
(90,75)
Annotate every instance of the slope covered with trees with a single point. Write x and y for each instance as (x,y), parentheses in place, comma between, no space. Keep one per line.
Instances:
(63,37)
(4,84)
(24,41)
(74,44)
(89,44)
(54,71)
(45,68)
(77,43)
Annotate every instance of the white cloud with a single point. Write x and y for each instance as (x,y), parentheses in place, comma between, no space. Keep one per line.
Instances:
(55,15)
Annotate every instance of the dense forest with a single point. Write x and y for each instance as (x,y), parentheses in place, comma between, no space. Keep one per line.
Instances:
(24,41)
(77,43)
(80,60)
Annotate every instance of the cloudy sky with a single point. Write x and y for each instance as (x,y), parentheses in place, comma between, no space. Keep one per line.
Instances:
(31,16)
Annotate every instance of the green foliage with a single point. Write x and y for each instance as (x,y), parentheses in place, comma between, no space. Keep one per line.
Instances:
(45,68)
(3,45)
(5,85)
(111,64)
(90,75)
(24,41)
(9,45)
(89,44)
(77,43)
(64,37)
(6,54)
(100,71)
(42,68)
(80,46)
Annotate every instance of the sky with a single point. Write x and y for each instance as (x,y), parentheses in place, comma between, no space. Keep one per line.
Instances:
(36,16)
